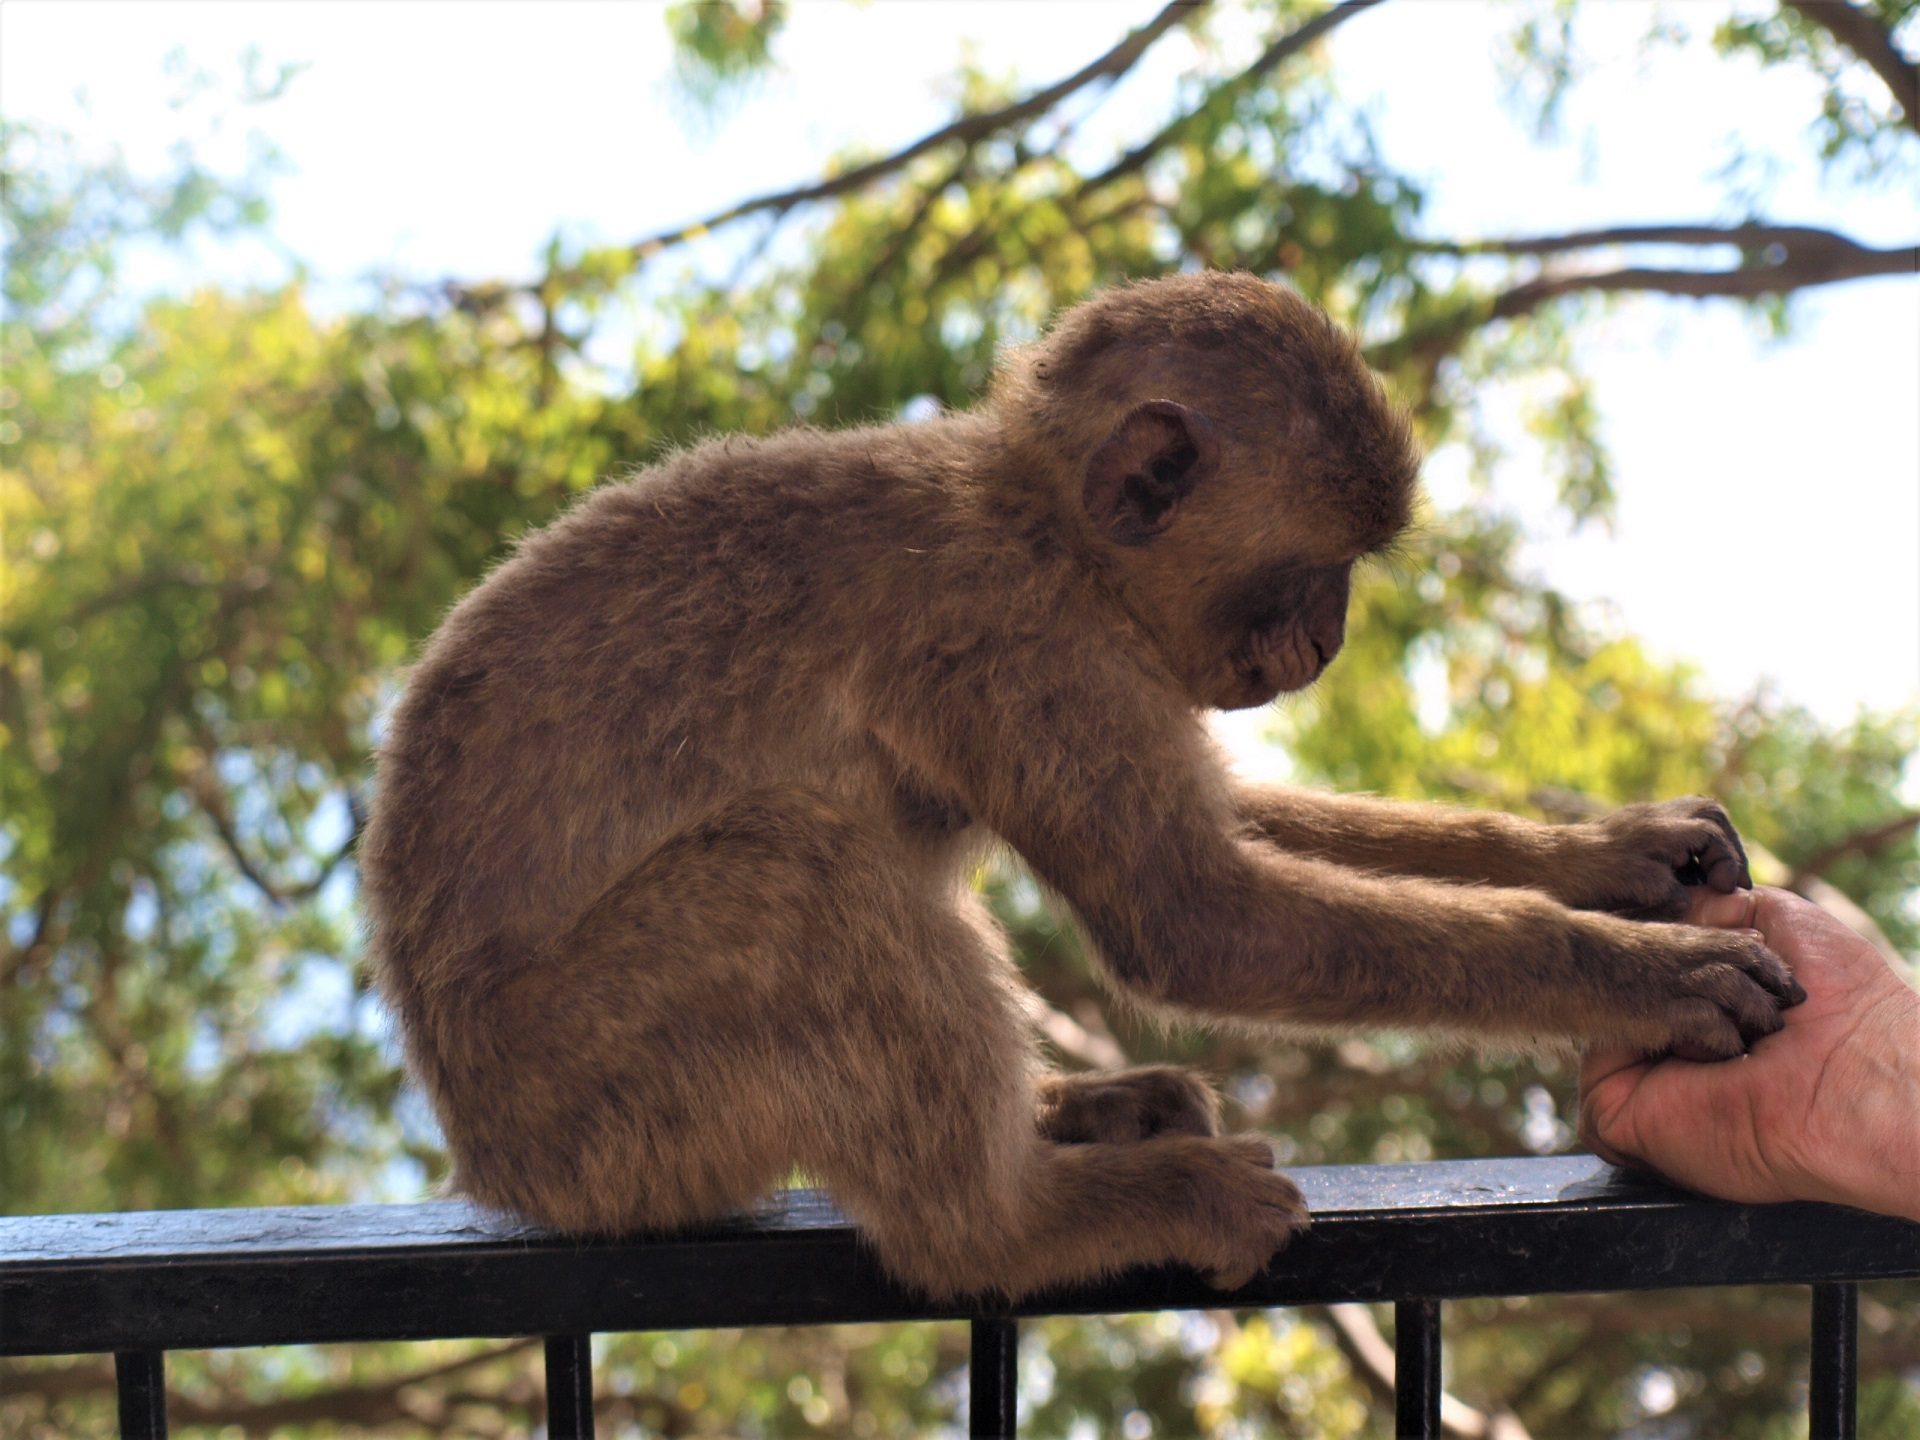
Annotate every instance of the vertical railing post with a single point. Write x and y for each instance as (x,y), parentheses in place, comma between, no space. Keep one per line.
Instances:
(1833,1381)
(569,1387)
(993,1376)
(1416,1369)
(141,1378)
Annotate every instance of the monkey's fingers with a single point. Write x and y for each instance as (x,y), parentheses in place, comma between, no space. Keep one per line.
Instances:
(1714,855)
(1732,1001)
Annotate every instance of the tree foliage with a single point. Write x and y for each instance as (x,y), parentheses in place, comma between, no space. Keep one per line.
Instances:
(229,513)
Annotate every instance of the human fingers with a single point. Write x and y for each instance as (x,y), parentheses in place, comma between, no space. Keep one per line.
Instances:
(1608,1079)
(1824,952)
(1809,935)
(1736,911)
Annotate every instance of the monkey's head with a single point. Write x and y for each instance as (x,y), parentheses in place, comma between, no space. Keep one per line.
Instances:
(1222,452)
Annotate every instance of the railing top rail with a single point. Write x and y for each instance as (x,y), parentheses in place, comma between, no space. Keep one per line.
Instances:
(206,1278)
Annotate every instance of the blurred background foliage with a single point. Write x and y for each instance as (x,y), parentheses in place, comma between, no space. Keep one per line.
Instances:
(230,512)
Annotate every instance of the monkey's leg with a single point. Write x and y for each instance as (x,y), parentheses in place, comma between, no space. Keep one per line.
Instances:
(958,1192)
(923,1123)
(1117,1106)
(772,989)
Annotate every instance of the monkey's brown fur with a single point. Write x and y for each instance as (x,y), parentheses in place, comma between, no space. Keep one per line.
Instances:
(667,866)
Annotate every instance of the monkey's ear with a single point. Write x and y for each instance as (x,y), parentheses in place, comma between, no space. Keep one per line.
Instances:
(1140,474)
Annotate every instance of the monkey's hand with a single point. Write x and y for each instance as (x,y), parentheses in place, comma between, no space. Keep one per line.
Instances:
(1695,993)
(1117,1107)
(1645,861)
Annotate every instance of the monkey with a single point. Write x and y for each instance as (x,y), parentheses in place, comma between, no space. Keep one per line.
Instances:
(667,871)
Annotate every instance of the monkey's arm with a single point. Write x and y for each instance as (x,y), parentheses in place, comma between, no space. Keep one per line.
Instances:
(1638,861)
(1108,789)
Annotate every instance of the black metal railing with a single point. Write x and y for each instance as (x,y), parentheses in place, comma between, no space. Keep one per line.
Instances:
(141,1284)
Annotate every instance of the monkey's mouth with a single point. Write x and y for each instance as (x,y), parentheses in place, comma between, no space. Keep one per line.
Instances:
(1274,658)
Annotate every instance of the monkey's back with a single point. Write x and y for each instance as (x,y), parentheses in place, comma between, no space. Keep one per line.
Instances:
(675,639)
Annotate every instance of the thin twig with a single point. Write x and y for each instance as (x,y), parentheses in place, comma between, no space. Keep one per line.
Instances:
(213,805)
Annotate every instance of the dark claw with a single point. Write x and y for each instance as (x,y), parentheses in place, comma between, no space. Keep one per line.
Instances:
(1719,863)
(1724,871)
(1718,818)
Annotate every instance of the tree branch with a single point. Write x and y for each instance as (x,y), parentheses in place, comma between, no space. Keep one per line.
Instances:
(1863,34)
(1371,1359)
(1287,45)
(1752,236)
(1790,258)
(968,129)
(1870,841)
(1782,259)
(1888,1339)
(963,251)
(379,1402)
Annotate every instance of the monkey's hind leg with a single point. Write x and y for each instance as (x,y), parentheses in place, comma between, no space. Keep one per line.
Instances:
(771,989)
(912,1085)
(640,1071)
(958,1189)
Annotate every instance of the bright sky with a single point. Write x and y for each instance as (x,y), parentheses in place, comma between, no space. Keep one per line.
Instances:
(1769,520)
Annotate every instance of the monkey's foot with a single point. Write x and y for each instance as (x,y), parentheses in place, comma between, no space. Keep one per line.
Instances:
(1126,1105)
(1245,1215)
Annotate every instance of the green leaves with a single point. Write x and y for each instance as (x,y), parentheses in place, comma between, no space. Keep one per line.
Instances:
(721,44)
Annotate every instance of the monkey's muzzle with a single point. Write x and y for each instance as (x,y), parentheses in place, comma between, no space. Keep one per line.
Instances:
(1276,658)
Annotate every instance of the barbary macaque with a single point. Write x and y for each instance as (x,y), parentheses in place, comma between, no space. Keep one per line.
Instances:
(668,867)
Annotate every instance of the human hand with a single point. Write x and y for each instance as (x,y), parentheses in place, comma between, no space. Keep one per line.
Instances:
(1826,1109)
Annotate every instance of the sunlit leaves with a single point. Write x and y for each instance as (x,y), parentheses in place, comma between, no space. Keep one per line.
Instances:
(720,44)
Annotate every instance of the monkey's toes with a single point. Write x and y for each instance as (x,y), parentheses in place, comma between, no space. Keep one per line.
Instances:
(1265,1211)
(1128,1106)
